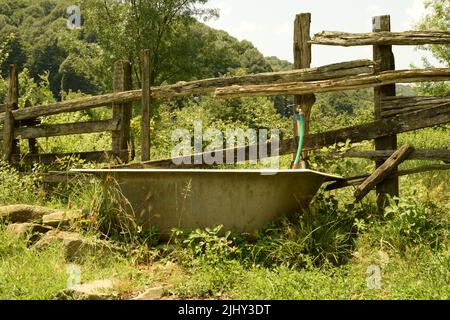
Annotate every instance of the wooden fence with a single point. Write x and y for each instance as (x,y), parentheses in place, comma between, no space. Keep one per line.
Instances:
(24,124)
(393,115)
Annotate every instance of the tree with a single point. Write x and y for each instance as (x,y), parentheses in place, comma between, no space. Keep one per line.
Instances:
(438,18)
(125,28)
(40,41)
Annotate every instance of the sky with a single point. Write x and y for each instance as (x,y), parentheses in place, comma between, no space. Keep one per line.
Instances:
(269,25)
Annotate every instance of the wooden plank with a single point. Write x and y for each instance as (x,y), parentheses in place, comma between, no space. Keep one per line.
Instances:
(121,138)
(11,146)
(385,38)
(391,106)
(302,59)
(332,71)
(394,125)
(384,61)
(76,105)
(145,106)
(349,83)
(353,181)
(65,129)
(381,155)
(184,89)
(383,172)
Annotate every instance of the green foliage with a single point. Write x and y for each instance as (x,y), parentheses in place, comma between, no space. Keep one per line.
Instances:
(412,223)
(279,65)
(418,276)
(409,245)
(208,245)
(160,26)
(27,274)
(437,18)
(30,274)
(41,42)
(336,110)
(37,93)
(320,236)
(15,188)
(248,113)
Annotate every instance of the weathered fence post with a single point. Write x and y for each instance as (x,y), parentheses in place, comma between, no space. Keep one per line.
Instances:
(384,60)
(121,138)
(11,146)
(302,59)
(146,102)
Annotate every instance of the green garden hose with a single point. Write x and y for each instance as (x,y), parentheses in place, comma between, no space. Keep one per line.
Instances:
(301,133)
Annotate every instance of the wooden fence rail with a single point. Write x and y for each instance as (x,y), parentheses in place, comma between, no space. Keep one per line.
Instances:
(391,106)
(412,38)
(369,131)
(24,124)
(348,83)
(206,86)
(379,155)
(65,129)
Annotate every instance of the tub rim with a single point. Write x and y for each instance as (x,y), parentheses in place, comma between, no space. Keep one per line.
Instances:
(264,172)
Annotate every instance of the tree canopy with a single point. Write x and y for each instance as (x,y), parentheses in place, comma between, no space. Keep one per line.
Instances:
(437,18)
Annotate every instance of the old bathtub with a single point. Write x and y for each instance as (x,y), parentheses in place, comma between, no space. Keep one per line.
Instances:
(240,200)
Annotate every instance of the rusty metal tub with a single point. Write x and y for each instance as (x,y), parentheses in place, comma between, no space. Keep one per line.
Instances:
(240,200)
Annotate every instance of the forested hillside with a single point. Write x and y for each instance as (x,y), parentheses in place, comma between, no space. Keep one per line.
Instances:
(38,39)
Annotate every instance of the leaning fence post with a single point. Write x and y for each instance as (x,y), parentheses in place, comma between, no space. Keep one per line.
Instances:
(121,138)
(302,59)
(146,102)
(11,146)
(384,60)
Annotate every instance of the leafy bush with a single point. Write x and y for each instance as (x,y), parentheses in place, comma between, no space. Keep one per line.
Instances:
(320,236)
(410,223)
(17,188)
(209,246)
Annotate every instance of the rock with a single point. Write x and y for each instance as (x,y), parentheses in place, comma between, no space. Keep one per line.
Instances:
(61,218)
(156,293)
(24,229)
(75,246)
(95,290)
(23,213)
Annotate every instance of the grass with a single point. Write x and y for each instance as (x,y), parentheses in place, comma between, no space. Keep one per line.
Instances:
(30,274)
(409,247)
(324,253)
(331,251)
